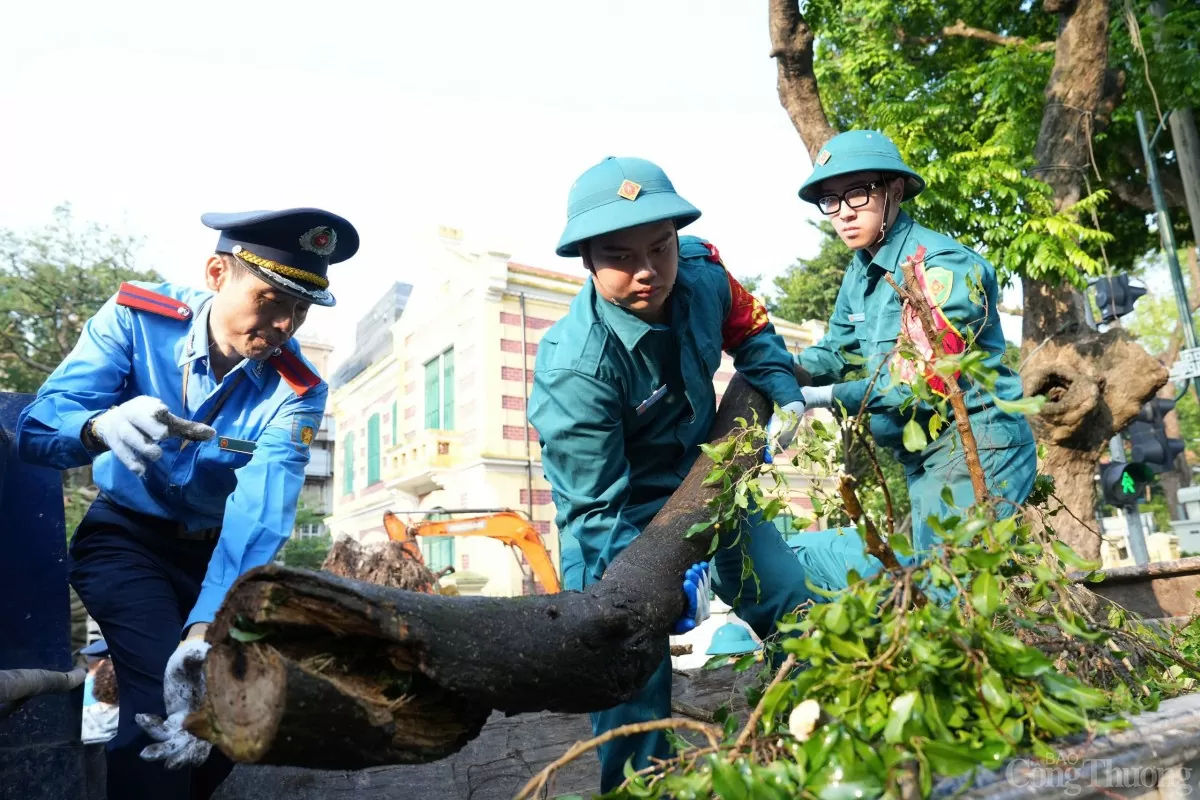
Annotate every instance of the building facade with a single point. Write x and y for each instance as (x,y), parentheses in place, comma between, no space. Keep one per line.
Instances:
(438,422)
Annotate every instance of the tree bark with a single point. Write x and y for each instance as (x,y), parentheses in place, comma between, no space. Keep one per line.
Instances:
(1095,383)
(792,45)
(347,674)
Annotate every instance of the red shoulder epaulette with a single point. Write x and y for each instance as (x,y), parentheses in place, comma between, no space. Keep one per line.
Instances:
(294,371)
(145,300)
(713,253)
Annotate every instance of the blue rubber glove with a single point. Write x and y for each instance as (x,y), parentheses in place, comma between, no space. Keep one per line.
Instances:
(781,429)
(696,585)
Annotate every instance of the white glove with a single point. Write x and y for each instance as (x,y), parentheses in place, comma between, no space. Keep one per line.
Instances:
(817,396)
(781,429)
(133,430)
(183,692)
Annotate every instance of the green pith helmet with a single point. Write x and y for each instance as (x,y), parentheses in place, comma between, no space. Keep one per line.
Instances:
(620,193)
(859,151)
(732,639)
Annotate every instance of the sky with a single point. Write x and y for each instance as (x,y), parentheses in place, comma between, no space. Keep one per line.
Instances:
(400,116)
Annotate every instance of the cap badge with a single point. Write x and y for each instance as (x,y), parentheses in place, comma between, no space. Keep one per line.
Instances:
(629,190)
(823,158)
(321,240)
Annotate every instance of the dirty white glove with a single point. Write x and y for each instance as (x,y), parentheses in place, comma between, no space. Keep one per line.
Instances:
(781,429)
(183,692)
(133,430)
(817,396)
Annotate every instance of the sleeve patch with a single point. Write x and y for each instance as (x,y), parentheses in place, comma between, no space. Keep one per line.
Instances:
(746,316)
(939,280)
(304,429)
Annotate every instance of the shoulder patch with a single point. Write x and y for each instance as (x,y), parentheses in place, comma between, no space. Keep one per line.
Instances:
(939,280)
(145,300)
(294,371)
(304,429)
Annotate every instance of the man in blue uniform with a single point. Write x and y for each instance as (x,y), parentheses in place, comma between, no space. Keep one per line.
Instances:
(196,411)
(623,396)
(858,182)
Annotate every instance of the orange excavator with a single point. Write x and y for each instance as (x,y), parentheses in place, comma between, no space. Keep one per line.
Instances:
(500,524)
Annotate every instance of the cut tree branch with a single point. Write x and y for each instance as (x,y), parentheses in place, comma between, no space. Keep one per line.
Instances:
(963,30)
(912,295)
(340,674)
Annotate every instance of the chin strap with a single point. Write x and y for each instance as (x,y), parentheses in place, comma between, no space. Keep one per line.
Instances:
(887,196)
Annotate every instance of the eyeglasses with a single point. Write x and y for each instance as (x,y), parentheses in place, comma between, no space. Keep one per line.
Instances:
(855,197)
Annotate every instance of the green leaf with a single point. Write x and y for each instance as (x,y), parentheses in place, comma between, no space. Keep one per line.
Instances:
(994,693)
(744,663)
(1045,721)
(898,715)
(727,782)
(698,528)
(1026,405)
(849,790)
(985,594)
(835,619)
(245,636)
(901,545)
(982,559)
(914,437)
(1071,559)
(1070,690)
(948,759)
(852,649)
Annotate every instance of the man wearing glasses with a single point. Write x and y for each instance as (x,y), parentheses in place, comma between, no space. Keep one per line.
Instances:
(859,181)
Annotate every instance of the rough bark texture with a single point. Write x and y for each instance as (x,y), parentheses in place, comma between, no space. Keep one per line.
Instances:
(792,48)
(400,677)
(1095,383)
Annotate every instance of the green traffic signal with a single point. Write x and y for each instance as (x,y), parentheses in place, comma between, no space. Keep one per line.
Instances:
(1127,483)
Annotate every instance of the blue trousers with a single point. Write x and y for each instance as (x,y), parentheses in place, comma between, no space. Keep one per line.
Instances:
(781,576)
(826,556)
(139,581)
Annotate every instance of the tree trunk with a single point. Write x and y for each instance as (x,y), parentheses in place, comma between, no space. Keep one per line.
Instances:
(1095,383)
(315,670)
(792,45)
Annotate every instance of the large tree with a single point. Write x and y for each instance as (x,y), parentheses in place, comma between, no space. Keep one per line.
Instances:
(1020,118)
(52,280)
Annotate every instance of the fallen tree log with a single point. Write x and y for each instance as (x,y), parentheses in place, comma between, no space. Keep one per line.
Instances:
(313,670)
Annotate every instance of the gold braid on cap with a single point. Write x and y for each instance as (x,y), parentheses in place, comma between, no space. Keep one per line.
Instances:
(282,269)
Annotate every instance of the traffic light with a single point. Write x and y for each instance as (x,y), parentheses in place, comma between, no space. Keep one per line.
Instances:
(1148,438)
(1122,483)
(1115,296)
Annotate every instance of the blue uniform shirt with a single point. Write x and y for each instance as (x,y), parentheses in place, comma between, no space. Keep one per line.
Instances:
(124,353)
(621,406)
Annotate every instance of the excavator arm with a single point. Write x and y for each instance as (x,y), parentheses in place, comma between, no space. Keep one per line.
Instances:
(505,526)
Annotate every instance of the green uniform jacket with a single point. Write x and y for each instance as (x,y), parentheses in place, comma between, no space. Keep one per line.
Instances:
(866,324)
(621,406)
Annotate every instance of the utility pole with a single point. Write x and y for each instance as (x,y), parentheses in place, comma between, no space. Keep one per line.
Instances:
(1189,359)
